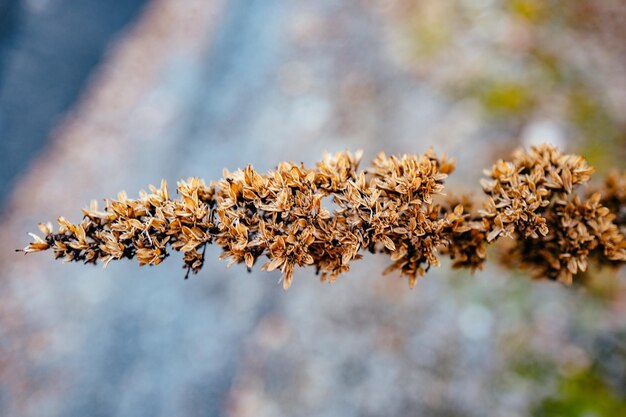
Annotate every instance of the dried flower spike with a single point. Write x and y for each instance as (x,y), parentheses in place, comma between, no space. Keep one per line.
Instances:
(393,207)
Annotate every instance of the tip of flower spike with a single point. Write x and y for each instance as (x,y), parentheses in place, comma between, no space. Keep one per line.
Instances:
(38,245)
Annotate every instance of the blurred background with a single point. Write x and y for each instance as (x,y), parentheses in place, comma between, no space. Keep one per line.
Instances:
(101,96)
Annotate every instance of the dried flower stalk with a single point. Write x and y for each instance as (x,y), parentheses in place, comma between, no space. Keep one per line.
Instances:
(393,207)
(555,231)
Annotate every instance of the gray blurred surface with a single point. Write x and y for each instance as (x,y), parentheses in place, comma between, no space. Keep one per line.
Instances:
(48,49)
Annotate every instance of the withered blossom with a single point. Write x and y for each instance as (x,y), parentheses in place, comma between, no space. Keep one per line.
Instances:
(467,246)
(519,190)
(613,196)
(394,207)
(555,231)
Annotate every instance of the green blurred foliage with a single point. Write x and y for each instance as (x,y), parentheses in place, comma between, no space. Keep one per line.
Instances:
(584,394)
(524,60)
(505,98)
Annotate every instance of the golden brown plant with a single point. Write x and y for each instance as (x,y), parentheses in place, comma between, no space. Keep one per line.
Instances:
(555,231)
(613,196)
(389,208)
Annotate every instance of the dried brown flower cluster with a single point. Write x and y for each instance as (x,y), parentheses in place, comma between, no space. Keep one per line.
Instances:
(613,196)
(392,207)
(555,231)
